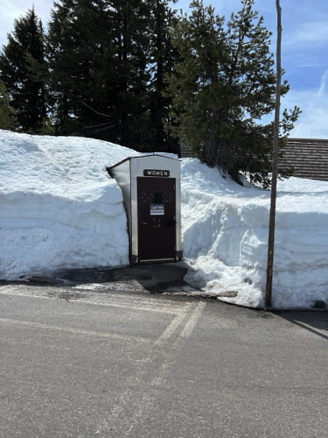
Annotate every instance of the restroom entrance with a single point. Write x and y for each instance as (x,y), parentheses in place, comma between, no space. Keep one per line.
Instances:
(156,218)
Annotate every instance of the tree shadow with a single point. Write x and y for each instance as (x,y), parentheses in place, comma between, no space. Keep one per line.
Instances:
(153,278)
(315,322)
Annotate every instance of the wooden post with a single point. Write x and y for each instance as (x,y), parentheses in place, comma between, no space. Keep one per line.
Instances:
(272,216)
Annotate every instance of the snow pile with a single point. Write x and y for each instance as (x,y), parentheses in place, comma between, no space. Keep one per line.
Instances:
(59,208)
(225,228)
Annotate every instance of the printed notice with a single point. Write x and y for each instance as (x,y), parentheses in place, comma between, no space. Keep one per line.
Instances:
(157,210)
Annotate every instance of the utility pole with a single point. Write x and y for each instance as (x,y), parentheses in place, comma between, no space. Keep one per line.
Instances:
(272,216)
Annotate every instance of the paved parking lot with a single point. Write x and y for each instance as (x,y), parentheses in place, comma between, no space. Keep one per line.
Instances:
(87,361)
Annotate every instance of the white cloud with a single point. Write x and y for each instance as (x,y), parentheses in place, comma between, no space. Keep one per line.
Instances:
(312,122)
(323,83)
(314,125)
(307,34)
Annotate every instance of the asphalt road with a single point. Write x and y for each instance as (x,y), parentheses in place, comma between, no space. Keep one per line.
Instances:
(89,361)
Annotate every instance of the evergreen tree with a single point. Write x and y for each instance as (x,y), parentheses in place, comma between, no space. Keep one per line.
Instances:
(128,73)
(162,55)
(98,54)
(107,59)
(8,119)
(21,61)
(223,83)
(74,51)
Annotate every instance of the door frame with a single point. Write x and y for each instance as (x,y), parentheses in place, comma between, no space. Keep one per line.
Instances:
(165,234)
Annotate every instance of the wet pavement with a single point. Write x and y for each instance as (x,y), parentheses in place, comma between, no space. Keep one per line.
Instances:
(145,278)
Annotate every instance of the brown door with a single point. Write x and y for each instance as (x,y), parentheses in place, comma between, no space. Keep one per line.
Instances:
(156,218)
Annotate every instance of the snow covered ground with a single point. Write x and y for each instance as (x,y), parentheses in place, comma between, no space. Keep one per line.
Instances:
(225,229)
(59,209)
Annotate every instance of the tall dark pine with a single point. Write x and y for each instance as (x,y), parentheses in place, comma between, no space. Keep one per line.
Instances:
(98,56)
(74,53)
(223,84)
(162,56)
(21,61)
(107,60)
(127,70)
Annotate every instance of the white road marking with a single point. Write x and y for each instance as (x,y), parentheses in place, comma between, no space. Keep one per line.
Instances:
(146,403)
(111,301)
(193,320)
(38,325)
(186,332)
(186,316)
(170,329)
(180,312)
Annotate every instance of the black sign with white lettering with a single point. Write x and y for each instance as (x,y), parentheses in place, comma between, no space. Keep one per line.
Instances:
(156,172)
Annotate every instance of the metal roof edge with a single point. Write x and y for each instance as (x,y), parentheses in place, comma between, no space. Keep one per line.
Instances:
(141,156)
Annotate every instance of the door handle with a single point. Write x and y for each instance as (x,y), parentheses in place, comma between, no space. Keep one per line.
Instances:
(143,223)
(170,223)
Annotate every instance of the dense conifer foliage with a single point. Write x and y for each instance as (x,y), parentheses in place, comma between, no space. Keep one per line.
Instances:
(21,62)
(107,60)
(8,119)
(136,73)
(222,84)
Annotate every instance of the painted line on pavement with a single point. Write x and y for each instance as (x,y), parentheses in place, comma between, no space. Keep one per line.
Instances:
(170,308)
(186,332)
(168,332)
(146,404)
(38,325)
(193,320)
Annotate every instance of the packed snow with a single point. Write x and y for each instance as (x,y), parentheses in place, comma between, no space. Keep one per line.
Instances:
(225,229)
(60,209)
(58,206)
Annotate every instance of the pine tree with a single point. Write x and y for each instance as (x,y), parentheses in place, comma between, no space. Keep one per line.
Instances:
(8,119)
(223,83)
(74,51)
(162,55)
(128,70)
(107,60)
(98,54)
(21,61)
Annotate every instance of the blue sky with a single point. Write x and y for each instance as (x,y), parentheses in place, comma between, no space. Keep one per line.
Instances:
(304,50)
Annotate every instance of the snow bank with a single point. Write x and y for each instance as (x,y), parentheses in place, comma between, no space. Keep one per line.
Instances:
(225,229)
(59,208)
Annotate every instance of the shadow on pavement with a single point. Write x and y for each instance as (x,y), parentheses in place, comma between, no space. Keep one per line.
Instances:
(151,278)
(315,322)
(155,278)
